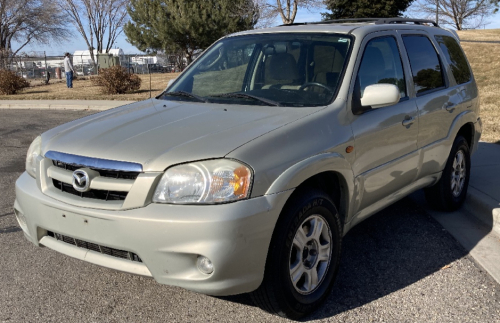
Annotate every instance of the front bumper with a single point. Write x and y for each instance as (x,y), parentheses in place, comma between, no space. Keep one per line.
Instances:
(168,238)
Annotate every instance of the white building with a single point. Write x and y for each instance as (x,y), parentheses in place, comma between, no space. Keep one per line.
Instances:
(142,60)
(82,57)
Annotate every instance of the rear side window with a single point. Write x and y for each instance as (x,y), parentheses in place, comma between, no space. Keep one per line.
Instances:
(425,66)
(456,57)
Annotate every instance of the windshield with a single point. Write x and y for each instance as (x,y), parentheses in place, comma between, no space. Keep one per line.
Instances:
(266,69)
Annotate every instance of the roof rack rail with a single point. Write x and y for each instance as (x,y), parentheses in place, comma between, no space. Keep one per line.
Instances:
(377,21)
(381,21)
(333,21)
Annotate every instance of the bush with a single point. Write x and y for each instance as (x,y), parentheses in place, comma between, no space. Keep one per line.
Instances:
(10,83)
(116,80)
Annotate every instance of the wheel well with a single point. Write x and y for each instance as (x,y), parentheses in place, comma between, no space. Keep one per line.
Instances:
(467,131)
(333,184)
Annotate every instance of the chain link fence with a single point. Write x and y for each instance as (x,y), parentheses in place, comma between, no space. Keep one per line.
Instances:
(40,66)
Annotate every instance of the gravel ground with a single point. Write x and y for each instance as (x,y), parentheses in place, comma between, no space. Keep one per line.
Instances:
(397,266)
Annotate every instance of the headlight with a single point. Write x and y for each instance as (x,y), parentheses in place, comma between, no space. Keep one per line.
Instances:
(34,151)
(206,182)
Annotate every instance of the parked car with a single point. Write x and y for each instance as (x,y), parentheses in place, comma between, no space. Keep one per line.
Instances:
(246,172)
(28,74)
(155,68)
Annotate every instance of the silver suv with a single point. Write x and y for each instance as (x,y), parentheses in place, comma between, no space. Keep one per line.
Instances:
(247,171)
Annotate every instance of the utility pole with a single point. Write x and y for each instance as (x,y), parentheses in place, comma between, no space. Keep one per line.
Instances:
(47,75)
(437,12)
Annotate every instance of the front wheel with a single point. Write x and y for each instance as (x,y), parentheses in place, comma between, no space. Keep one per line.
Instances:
(450,192)
(303,257)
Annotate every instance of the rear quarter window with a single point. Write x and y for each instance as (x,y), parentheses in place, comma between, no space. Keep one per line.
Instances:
(456,58)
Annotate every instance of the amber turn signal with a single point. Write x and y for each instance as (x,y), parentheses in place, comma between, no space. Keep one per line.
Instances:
(241,181)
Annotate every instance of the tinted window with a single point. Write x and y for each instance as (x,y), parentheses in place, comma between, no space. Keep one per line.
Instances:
(424,62)
(381,63)
(456,57)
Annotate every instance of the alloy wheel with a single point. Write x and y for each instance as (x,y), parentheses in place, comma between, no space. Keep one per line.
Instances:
(310,254)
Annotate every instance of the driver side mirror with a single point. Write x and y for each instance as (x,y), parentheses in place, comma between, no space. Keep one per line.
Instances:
(380,95)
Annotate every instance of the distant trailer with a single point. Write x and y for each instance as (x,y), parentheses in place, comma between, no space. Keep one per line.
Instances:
(82,57)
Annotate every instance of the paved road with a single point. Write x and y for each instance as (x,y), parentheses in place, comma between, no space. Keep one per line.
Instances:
(398,266)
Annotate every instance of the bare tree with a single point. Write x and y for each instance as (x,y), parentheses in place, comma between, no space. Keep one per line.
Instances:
(29,21)
(286,9)
(456,13)
(99,22)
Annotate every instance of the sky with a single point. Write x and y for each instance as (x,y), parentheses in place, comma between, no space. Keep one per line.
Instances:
(77,42)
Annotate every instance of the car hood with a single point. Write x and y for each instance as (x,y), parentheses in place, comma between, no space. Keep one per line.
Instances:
(158,133)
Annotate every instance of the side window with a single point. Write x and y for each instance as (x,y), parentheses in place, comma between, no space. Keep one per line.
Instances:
(456,57)
(381,63)
(424,62)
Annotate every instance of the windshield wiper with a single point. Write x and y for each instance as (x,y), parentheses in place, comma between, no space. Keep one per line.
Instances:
(247,96)
(187,95)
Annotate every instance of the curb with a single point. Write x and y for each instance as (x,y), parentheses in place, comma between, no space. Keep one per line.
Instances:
(484,208)
(79,106)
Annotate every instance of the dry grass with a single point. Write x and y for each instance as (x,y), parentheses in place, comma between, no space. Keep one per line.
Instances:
(485,62)
(84,90)
(480,34)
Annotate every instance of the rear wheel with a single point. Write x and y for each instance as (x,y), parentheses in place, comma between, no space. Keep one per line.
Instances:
(303,257)
(450,192)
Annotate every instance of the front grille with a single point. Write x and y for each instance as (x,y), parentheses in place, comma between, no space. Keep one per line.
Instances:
(92,194)
(95,247)
(102,172)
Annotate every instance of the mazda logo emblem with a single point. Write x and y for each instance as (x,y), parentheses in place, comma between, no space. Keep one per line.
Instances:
(81,180)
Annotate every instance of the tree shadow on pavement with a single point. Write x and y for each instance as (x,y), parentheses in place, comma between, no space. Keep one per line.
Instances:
(38,92)
(388,252)
(147,90)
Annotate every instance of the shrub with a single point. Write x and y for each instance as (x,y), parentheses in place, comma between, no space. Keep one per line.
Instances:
(116,80)
(10,83)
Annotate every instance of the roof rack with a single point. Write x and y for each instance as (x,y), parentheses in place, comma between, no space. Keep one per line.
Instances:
(377,21)
(333,21)
(381,21)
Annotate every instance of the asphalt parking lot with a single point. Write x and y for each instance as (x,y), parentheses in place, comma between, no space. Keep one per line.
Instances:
(398,266)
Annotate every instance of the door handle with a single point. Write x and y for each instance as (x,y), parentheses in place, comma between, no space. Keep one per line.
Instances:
(449,106)
(408,121)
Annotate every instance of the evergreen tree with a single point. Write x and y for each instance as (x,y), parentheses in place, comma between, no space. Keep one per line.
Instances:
(365,8)
(186,25)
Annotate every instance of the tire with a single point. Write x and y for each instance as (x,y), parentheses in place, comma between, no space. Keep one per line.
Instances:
(278,294)
(450,192)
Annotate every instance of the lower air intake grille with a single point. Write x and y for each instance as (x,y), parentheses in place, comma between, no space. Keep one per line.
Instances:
(95,247)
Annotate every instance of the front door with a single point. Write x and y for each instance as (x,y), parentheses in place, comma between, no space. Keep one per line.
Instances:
(385,138)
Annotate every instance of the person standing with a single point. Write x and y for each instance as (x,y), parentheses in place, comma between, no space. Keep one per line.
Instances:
(68,68)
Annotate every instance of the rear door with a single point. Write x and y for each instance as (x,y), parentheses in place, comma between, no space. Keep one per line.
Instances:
(437,97)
